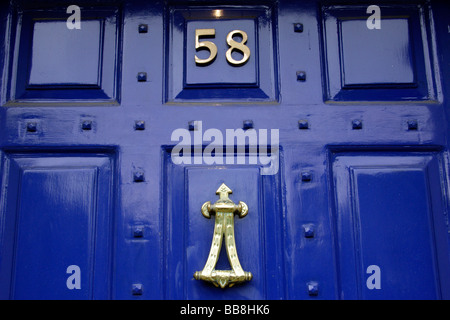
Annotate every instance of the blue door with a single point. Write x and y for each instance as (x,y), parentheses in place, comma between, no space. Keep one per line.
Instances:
(207,150)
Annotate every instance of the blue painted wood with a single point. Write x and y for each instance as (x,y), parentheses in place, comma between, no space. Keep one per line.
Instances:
(67,132)
(57,221)
(385,218)
(51,63)
(387,64)
(363,47)
(53,60)
(188,234)
(256,80)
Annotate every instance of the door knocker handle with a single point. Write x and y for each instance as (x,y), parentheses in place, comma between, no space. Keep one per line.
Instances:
(224,210)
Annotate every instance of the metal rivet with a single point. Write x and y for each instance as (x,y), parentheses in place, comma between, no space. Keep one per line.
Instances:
(193,125)
(309,230)
(136,289)
(138,231)
(413,125)
(306,176)
(303,124)
(142,76)
(139,125)
(247,124)
(313,288)
(86,125)
(301,76)
(357,124)
(31,127)
(298,27)
(138,176)
(143,28)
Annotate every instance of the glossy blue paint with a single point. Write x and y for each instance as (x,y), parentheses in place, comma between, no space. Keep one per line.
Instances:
(385,217)
(367,65)
(387,64)
(56,222)
(189,235)
(363,152)
(55,62)
(51,65)
(256,80)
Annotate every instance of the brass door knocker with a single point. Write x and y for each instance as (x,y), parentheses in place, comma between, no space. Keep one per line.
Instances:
(224,209)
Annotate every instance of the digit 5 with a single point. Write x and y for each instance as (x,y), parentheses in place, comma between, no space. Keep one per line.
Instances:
(205,44)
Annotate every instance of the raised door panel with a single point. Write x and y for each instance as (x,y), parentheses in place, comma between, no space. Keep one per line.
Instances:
(189,235)
(57,224)
(391,230)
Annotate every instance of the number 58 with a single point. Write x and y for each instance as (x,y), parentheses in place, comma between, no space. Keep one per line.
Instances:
(211,46)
